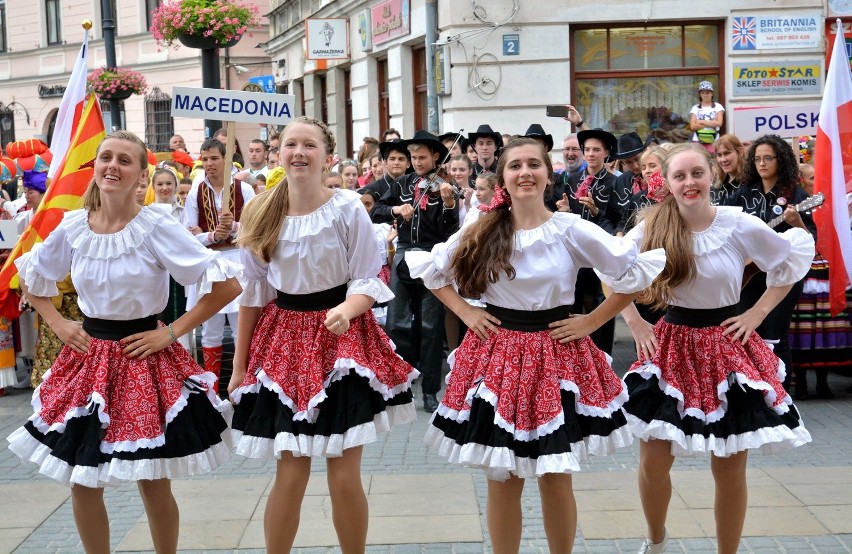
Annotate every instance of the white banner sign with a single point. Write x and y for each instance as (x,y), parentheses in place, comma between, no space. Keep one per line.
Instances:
(232,105)
(776,31)
(328,39)
(8,233)
(785,121)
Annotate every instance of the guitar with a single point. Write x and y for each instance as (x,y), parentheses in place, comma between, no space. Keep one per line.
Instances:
(808,203)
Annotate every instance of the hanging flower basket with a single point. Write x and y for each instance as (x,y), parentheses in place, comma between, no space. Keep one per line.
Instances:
(116,83)
(203,23)
(203,43)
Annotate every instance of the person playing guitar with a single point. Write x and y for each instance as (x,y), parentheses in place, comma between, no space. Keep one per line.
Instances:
(770,188)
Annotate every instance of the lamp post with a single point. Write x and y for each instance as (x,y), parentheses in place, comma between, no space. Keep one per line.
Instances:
(210,78)
(108,25)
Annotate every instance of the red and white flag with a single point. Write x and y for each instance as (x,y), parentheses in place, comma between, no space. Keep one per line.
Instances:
(833,173)
(70,108)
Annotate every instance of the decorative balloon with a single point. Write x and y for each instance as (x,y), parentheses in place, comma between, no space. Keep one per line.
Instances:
(37,162)
(25,148)
(43,161)
(9,170)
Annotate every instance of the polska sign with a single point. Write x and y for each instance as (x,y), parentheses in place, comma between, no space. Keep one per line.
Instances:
(232,105)
(785,121)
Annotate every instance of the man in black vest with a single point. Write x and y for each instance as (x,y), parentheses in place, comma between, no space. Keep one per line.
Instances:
(425,214)
(216,228)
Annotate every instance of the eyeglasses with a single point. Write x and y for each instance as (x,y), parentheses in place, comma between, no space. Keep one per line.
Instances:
(575,149)
(764,159)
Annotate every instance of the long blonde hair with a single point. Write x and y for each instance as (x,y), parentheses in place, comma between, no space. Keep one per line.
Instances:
(263,217)
(665,228)
(92,196)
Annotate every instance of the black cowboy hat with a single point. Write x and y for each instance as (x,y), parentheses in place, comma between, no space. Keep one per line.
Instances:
(430,140)
(486,131)
(608,139)
(629,145)
(396,145)
(535,131)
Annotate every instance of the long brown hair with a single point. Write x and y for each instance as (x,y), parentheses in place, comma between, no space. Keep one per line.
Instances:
(730,142)
(263,217)
(665,228)
(92,196)
(486,246)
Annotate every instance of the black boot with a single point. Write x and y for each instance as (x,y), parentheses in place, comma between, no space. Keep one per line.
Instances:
(430,402)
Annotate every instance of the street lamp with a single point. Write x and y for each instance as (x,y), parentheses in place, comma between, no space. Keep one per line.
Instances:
(108,25)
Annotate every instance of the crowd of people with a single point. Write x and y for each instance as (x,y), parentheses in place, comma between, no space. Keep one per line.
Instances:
(345,280)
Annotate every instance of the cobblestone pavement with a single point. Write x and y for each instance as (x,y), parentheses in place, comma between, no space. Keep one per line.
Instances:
(799,501)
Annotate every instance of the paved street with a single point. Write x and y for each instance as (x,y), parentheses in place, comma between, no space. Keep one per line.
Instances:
(799,502)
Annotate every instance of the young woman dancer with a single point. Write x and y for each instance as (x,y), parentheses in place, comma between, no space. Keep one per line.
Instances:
(314,374)
(122,402)
(711,385)
(529,394)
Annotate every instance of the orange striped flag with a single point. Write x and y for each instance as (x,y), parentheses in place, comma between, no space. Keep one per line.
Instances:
(66,191)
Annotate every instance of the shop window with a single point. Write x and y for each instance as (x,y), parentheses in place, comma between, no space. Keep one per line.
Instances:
(54,21)
(384,94)
(159,125)
(644,79)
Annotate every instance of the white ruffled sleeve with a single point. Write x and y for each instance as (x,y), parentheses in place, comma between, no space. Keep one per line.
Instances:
(433,267)
(257,292)
(362,251)
(785,257)
(186,260)
(616,260)
(50,261)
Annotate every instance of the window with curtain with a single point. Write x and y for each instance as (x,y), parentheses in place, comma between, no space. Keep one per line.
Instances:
(54,21)
(150,6)
(644,78)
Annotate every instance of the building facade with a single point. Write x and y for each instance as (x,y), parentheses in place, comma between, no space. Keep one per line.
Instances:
(626,65)
(40,43)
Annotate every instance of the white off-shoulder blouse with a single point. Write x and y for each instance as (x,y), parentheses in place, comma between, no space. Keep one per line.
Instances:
(333,245)
(123,275)
(546,261)
(723,250)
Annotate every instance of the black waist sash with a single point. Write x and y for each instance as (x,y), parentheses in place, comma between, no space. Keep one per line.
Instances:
(112,329)
(527,320)
(313,301)
(691,317)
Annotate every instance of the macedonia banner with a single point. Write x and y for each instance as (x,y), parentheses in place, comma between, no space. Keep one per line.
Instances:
(65,192)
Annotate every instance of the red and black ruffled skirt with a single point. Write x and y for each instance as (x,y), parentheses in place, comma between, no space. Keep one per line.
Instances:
(707,393)
(101,417)
(310,392)
(521,403)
